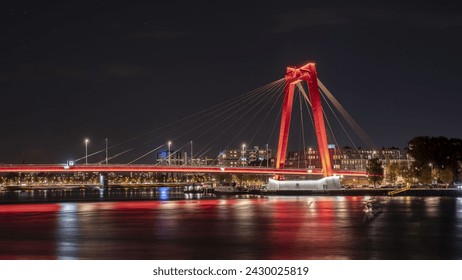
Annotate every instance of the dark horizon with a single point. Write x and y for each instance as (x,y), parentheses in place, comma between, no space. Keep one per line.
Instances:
(71,71)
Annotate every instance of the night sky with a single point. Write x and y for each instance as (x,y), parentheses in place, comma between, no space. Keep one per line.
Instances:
(70,70)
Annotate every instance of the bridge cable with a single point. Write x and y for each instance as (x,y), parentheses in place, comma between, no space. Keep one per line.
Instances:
(220,109)
(217,116)
(255,93)
(215,107)
(308,105)
(340,123)
(275,96)
(249,122)
(358,130)
(330,127)
(239,118)
(278,117)
(278,96)
(152,151)
(90,155)
(230,116)
(276,101)
(114,156)
(302,131)
(175,152)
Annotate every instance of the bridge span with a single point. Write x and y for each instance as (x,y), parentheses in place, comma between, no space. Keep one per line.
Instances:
(63,168)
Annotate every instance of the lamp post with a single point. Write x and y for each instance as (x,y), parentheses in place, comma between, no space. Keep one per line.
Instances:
(169,145)
(106,151)
(192,161)
(86,150)
(243,153)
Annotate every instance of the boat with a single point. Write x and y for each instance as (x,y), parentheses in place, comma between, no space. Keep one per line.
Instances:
(229,190)
(193,188)
(197,188)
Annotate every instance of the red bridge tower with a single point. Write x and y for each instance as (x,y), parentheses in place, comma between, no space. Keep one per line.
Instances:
(294,76)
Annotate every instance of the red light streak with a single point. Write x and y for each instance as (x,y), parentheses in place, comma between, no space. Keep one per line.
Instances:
(20,208)
(60,168)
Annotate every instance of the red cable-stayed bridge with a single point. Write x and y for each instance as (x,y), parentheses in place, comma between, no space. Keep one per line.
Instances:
(32,168)
(295,78)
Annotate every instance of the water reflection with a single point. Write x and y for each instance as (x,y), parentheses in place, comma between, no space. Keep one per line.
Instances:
(236,227)
(163,193)
(67,232)
(93,194)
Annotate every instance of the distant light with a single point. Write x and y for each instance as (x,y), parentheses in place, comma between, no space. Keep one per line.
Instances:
(163,193)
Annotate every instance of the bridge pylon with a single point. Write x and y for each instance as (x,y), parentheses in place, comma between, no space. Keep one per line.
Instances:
(306,73)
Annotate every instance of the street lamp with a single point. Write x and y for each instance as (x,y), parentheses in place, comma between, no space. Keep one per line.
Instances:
(192,161)
(86,150)
(243,154)
(106,151)
(169,145)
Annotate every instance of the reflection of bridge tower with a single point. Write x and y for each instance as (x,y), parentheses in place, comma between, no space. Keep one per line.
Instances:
(294,76)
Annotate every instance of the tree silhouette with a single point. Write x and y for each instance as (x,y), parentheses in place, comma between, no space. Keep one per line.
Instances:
(375,170)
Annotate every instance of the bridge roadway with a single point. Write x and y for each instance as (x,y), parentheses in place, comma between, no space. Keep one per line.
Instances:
(29,168)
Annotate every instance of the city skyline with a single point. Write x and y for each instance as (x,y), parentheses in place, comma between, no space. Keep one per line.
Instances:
(71,72)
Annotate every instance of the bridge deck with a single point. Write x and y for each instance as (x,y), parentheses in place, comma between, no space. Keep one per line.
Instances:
(27,168)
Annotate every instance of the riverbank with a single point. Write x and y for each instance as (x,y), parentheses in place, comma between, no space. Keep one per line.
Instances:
(138,192)
(370,192)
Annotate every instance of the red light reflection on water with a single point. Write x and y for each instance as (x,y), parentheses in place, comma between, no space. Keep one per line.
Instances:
(227,228)
(20,208)
(18,221)
(299,228)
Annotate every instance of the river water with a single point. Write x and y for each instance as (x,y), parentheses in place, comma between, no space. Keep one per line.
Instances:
(172,225)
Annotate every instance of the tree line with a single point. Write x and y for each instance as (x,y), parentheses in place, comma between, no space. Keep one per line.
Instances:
(435,159)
